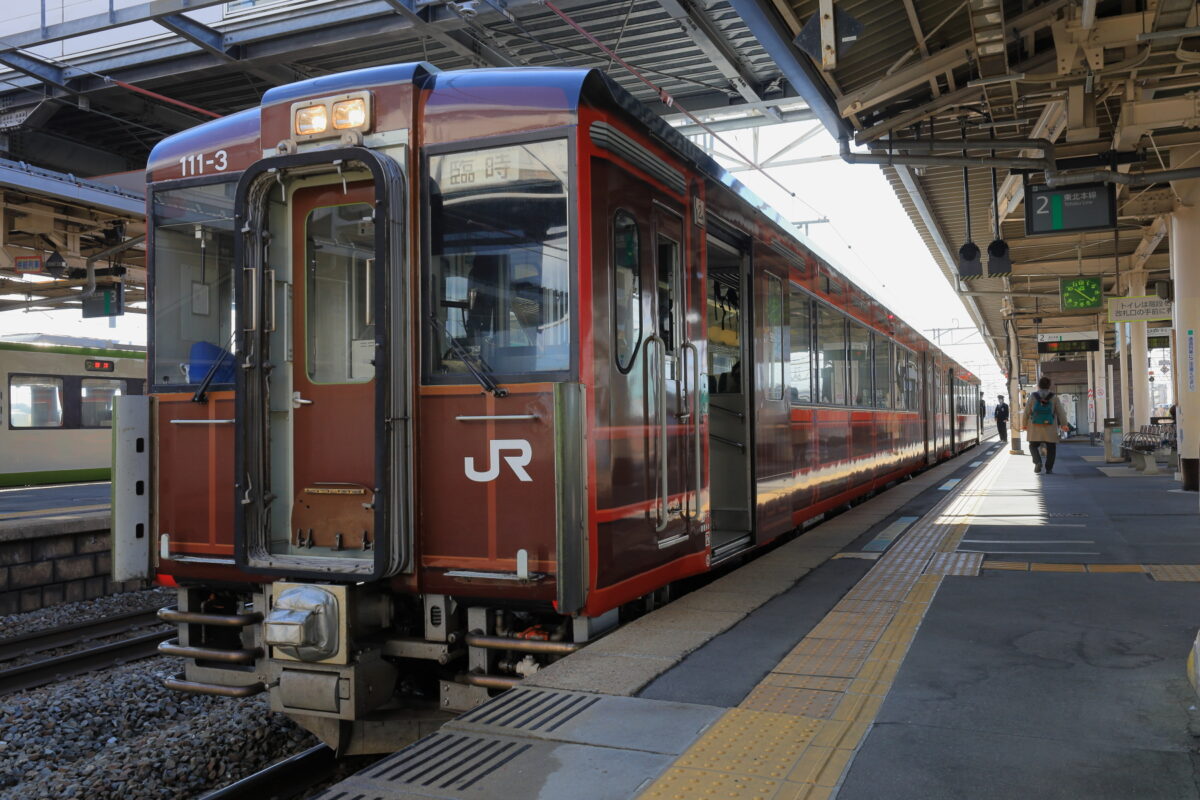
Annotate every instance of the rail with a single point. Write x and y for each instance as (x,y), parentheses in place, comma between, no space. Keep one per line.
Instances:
(283,779)
(48,670)
(75,633)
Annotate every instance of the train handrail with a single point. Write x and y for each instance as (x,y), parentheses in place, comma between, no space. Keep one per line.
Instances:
(695,415)
(663,489)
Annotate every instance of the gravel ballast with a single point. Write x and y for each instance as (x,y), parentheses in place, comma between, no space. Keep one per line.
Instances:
(121,735)
(84,611)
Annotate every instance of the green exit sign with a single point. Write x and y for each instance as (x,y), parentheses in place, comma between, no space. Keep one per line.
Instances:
(1085,207)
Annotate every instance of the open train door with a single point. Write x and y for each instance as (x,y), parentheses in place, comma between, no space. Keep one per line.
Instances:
(322,398)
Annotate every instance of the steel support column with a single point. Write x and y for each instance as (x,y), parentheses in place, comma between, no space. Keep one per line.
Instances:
(1015,411)
(1138,356)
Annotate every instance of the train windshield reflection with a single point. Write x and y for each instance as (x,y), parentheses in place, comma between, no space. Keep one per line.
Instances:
(499,282)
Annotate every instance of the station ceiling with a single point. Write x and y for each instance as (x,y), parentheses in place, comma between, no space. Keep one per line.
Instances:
(1110,82)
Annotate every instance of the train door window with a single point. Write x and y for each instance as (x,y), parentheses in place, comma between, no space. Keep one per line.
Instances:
(627,289)
(831,353)
(193,288)
(96,402)
(339,258)
(668,292)
(860,366)
(499,283)
(724,317)
(775,323)
(800,337)
(35,401)
(883,369)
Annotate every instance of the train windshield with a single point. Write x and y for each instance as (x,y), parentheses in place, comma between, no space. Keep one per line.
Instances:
(498,286)
(193,289)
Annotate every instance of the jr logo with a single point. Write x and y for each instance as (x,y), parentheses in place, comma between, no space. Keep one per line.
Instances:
(516,462)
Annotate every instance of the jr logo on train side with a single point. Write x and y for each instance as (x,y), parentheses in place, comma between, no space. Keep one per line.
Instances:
(496,447)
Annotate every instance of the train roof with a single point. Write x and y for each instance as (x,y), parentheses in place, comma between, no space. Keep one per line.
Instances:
(70,345)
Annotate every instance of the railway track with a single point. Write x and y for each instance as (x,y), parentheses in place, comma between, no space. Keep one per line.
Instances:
(38,672)
(283,779)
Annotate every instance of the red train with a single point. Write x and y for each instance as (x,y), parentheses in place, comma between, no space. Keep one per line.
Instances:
(448,367)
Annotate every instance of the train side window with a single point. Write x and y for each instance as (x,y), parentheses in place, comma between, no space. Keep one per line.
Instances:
(883,369)
(35,401)
(96,402)
(800,363)
(627,289)
(860,366)
(775,323)
(831,354)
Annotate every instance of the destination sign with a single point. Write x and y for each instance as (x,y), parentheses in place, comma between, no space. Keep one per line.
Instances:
(1070,346)
(1086,207)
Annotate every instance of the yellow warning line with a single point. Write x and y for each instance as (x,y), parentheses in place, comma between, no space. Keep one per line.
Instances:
(797,731)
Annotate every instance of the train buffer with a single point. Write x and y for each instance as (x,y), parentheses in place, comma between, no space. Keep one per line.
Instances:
(1013,619)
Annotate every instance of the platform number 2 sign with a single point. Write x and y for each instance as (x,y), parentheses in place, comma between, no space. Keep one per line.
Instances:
(517,463)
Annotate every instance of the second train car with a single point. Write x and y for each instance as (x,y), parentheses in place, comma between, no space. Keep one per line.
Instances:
(446,368)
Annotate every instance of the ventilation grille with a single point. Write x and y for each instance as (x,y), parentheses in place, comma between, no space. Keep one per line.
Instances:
(532,711)
(447,761)
(795,260)
(611,139)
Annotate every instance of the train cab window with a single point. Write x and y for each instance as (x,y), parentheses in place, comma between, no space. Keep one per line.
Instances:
(498,286)
(627,289)
(339,307)
(861,365)
(800,337)
(831,355)
(883,371)
(774,344)
(193,288)
(35,401)
(96,402)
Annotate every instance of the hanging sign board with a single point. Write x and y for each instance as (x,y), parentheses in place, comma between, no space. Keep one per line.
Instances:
(1078,336)
(1070,346)
(1158,331)
(108,301)
(27,264)
(1086,207)
(1137,309)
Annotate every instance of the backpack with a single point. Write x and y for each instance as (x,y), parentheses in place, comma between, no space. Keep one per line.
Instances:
(1043,410)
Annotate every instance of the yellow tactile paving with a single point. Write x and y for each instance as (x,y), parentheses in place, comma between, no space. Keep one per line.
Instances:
(679,783)
(1018,566)
(1174,572)
(823,683)
(1059,568)
(1116,568)
(786,700)
(850,648)
(831,666)
(795,734)
(751,742)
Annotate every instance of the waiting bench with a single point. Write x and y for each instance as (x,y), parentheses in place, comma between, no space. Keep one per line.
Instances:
(1144,445)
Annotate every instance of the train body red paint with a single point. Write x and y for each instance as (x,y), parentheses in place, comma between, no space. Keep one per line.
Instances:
(500,354)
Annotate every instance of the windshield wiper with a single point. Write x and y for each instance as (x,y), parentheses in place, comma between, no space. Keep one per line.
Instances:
(199,396)
(480,372)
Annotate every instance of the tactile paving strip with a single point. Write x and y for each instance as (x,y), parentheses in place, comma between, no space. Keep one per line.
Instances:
(833,681)
(1174,572)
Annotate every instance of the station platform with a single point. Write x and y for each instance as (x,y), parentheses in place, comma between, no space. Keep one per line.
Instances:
(59,500)
(980,631)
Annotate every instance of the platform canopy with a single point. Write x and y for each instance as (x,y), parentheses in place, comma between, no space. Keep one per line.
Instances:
(1107,86)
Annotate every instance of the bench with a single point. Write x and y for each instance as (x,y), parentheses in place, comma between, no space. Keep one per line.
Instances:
(1144,445)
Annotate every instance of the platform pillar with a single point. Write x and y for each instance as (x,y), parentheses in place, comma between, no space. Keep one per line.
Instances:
(1121,348)
(1014,391)
(1138,356)
(1185,272)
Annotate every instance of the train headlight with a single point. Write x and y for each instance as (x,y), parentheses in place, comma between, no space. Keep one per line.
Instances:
(312,120)
(349,114)
(304,623)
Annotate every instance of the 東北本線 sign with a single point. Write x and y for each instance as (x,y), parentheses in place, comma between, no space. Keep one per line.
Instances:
(1135,309)
(1086,207)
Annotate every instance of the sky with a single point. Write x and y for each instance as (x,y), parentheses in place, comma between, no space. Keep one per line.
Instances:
(868,235)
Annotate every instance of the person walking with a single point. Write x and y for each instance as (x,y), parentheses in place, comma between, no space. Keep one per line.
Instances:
(1001,417)
(1043,418)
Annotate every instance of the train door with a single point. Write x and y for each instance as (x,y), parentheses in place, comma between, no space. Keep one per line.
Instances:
(952,410)
(674,365)
(929,405)
(323,266)
(729,413)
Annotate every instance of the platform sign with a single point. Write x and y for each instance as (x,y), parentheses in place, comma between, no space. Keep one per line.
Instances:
(1086,207)
(27,264)
(1072,346)
(108,301)
(1137,309)
(1073,336)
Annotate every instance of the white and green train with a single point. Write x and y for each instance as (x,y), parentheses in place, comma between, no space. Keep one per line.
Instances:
(57,397)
